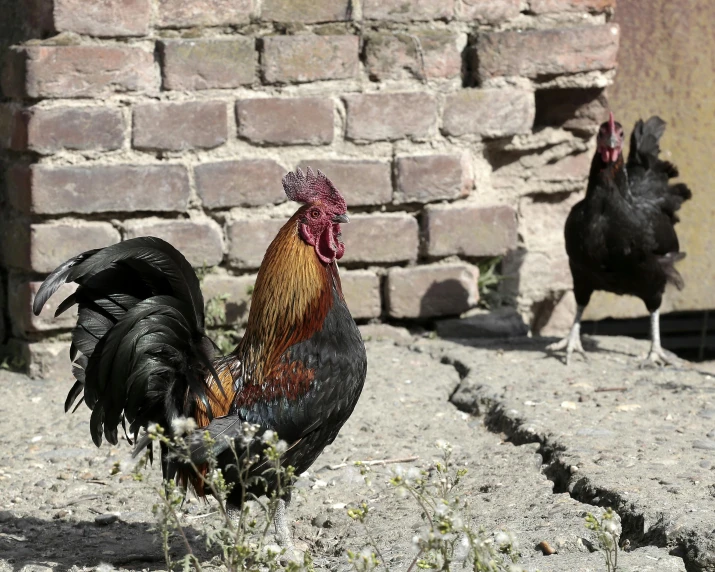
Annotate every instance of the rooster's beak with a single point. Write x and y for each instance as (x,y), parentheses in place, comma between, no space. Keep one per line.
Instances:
(341,218)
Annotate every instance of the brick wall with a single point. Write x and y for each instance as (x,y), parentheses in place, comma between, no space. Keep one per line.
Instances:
(458,130)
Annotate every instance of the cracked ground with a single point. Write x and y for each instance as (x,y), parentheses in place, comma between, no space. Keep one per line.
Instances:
(543,445)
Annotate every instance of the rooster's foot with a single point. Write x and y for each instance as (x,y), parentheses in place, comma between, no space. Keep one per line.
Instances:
(571,343)
(658,357)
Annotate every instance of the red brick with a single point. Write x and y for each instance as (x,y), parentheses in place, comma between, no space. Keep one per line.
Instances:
(361,289)
(285,121)
(234,292)
(488,11)
(432,290)
(77,128)
(489,112)
(103,188)
(407,10)
(534,275)
(470,230)
(249,238)
(428,178)
(298,59)
(306,11)
(430,54)
(380,238)
(535,53)
(361,182)
(189,65)
(576,109)
(103,18)
(388,116)
(50,244)
(22,294)
(44,360)
(79,71)
(180,126)
(241,183)
(570,168)
(189,13)
(199,241)
(592,6)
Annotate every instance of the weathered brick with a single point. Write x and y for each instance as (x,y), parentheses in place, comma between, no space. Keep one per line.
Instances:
(361,289)
(407,10)
(188,13)
(535,53)
(432,290)
(78,71)
(306,11)
(246,182)
(592,6)
(180,126)
(488,11)
(189,65)
(374,117)
(50,244)
(576,109)
(78,128)
(285,121)
(489,112)
(103,18)
(361,182)
(248,240)
(534,275)
(199,241)
(298,59)
(426,178)
(21,295)
(469,230)
(430,54)
(380,238)
(43,360)
(234,292)
(542,221)
(104,188)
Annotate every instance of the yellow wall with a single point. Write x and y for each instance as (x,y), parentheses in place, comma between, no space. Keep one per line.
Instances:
(666,67)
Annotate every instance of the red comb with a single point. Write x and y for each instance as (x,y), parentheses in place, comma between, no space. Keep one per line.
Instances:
(311,187)
(611,122)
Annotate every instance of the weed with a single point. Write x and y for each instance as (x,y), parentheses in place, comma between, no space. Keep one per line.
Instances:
(489,279)
(607,533)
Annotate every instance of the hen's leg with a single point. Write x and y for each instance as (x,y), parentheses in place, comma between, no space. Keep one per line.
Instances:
(572,342)
(657,355)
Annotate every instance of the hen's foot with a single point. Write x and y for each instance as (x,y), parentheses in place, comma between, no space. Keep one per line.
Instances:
(658,357)
(571,343)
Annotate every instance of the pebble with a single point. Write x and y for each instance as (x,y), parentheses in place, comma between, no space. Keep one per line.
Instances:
(321,521)
(62,513)
(704,444)
(319,484)
(705,464)
(105,519)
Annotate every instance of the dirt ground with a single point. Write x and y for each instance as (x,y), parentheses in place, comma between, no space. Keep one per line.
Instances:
(61,509)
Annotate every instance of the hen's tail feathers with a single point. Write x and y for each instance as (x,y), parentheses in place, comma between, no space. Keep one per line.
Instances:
(139,349)
(676,195)
(645,147)
(667,262)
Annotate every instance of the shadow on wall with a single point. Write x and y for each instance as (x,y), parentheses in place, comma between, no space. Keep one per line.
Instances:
(447,298)
(24,20)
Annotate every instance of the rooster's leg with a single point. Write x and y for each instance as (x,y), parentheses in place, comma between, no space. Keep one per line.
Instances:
(572,342)
(657,355)
(283,535)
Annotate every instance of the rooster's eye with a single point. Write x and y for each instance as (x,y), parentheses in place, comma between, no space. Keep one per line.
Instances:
(315,213)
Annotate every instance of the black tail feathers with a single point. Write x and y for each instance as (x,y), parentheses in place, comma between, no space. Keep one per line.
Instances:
(667,262)
(645,143)
(139,344)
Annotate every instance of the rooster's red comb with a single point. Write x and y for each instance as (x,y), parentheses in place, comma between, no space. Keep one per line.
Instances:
(611,122)
(311,187)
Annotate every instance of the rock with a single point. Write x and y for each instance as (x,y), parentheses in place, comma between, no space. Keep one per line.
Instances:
(502,323)
(321,521)
(704,444)
(105,519)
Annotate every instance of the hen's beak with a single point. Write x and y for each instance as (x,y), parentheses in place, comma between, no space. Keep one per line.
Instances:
(341,218)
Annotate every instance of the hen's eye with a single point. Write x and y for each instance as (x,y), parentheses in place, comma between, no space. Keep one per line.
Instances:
(315,213)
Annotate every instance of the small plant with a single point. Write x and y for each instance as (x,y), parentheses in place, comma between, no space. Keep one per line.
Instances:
(215,310)
(13,363)
(241,536)
(446,538)
(607,534)
(489,279)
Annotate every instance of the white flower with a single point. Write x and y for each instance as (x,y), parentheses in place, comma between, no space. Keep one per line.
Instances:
(281,446)
(610,527)
(182,425)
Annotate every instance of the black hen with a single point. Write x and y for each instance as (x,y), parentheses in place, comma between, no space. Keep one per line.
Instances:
(621,237)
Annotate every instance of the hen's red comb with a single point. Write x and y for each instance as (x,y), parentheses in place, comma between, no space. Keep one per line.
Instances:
(611,122)
(311,187)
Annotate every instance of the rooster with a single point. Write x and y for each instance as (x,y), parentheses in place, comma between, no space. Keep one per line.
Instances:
(141,355)
(621,237)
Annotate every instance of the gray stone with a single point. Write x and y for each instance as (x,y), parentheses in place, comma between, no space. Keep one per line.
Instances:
(502,323)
